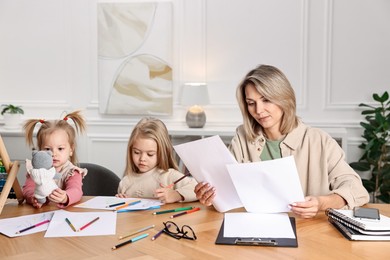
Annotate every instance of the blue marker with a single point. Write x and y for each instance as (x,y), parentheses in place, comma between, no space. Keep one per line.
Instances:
(130,241)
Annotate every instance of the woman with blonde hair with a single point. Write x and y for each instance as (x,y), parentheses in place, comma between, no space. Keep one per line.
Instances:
(271,130)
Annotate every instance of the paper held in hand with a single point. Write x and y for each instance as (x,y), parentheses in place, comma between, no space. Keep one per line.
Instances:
(266,187)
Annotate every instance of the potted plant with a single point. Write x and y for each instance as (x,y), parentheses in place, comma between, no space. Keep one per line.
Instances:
(12,115)
(376,148)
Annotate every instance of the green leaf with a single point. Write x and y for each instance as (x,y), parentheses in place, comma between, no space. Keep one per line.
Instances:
(384,197)
(385,97)
(365,105)
(376,97)
(360,166)
(368,112)
(369,185)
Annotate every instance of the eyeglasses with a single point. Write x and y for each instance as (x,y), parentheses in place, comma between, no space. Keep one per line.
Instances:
(173,230)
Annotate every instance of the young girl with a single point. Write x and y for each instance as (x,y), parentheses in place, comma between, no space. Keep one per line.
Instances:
(151,167)
(59,137)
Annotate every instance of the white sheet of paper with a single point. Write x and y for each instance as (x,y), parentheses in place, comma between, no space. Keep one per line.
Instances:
(9,226)
(101,202)
(268,186)
(58,227)
(258,225)
(206,159)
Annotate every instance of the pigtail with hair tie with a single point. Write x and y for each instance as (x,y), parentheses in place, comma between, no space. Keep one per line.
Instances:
(65,118)
(41,121)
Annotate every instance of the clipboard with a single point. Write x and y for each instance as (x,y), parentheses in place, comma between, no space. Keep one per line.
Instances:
(257,241)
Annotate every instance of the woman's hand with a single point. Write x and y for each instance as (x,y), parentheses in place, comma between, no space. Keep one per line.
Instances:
(59,196)
(310,207)
(306,209)
(205,193)
(167,195)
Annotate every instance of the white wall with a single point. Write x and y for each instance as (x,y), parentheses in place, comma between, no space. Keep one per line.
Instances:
(336,54)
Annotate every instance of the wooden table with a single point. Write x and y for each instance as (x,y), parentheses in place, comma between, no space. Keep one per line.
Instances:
(317,239)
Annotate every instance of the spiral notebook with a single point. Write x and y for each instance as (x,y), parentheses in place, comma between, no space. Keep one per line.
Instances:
(370,227)
(353,234)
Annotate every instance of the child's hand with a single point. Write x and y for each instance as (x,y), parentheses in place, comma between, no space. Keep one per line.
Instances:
(121,195)
(167,195)
(34,202)
(59,196)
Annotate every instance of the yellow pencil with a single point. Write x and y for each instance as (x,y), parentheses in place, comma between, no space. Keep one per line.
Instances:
(138,231)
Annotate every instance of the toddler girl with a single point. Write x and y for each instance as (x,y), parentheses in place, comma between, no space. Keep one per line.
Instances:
(59,137)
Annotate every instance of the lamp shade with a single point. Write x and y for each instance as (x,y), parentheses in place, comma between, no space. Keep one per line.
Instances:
(194,94)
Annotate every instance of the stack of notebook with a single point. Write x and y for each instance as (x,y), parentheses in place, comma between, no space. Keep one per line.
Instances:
(359,229)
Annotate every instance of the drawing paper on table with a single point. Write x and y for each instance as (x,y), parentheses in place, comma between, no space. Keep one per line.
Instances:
(206,159)
(59,228)
(258,225)
(9,226)
(101,202)
(268,186)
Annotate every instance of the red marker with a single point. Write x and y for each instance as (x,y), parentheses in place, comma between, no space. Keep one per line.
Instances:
(185,212)
(89,223)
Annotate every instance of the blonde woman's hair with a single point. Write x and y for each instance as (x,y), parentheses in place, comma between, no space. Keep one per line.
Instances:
(49,126)
(155,129)
(274,86)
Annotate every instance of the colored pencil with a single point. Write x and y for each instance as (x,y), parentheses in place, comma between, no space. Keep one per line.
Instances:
(159,233)
(172,210)
(70,224)
(116,204)
(185,212)
(173,184)
(89,223)
(138,231)
(127,204)
(33,226)
(130,241)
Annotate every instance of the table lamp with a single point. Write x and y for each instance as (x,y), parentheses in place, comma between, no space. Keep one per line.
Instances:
(195,95)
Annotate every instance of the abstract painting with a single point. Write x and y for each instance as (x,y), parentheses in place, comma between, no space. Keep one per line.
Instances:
(135,58)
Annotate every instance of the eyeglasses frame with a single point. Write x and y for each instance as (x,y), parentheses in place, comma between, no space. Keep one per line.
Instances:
(180,233)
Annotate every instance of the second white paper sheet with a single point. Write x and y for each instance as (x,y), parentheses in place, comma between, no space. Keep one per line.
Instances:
(268,186)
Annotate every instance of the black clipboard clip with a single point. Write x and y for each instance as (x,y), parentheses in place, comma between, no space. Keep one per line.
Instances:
(255,242)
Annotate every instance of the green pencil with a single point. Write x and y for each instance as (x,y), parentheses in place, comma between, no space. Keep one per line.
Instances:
(172,210)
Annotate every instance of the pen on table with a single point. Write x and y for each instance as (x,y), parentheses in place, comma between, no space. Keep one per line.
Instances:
(127,204)
(172,210)
(89,223)
(116,204)
(138,231)
(130,241)
(185,212)
(70,224)
(173,184)
(33,226)
(160,232)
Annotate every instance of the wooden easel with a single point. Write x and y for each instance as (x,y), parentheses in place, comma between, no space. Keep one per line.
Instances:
(12,169)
